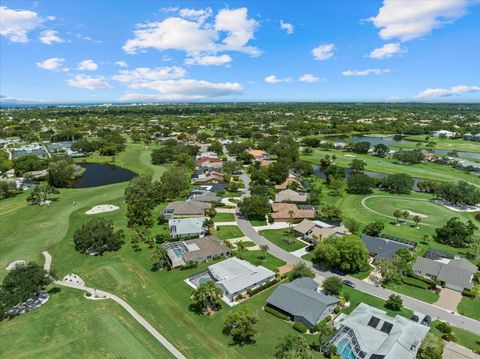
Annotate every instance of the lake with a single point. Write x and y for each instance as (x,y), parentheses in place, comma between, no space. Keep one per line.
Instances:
(98,174)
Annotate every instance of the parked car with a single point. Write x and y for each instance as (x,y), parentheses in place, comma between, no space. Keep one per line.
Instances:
(337,271)
(427,320)
(415,318)
(310,248)
(349,283)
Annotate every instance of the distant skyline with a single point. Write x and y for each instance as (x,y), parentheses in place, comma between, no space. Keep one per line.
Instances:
(168,51)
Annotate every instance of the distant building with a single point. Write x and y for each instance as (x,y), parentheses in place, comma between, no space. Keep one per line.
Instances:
(368,332)
(470,137)
(289,195)
(314,231)
(443,133)
(383,248)
(186,227)
(180,209)
(284,212)
(258,155)
(302,301)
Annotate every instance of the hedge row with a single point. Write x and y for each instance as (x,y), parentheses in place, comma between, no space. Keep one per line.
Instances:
(415,282)
(425,280)
(300,327)
(276,313)
(470,293)
(252,292)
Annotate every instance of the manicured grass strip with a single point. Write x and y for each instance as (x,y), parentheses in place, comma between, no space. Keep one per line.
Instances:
(257,223)
(69,325)
(470,307)
(256,258)
(248,244)
(360,275)
(357,297)
(424,295)
(224,217)
(283,238)
(463,337)
(228,232)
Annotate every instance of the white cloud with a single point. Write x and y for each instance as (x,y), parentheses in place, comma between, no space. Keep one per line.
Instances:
(53,63)
(15,24)
(272,79)
(50,37)
(208,60)
(87,65)
(407,19)
(89,82)
(289,28)
(323,52)
(365,72)
(145,74)
(386,51)
(190,32)
(455,90)
(240,29)
(309,78)
(121,64)
(183,90)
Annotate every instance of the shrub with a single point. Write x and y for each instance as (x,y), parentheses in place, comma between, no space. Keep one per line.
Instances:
(469,293)
(415,282)
(300,327)
(449,337)
(252,292)
(444,327)
(336,310)
(276,313)
(239,297)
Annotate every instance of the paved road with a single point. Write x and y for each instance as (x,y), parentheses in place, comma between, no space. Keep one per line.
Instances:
(143,322)
(380,292)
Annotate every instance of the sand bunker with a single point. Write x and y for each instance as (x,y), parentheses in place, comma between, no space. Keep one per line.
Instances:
(416,214)
(14,264)
(102,209)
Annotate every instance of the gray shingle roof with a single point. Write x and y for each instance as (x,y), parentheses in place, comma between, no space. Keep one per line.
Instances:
(457,272)
(383,248)
(300,298)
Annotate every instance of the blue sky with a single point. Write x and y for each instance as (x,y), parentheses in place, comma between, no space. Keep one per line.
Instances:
(141,51)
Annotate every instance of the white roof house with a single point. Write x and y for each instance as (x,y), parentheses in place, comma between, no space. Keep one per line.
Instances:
(369,332)
(443,133)
(186,227)
(234,276)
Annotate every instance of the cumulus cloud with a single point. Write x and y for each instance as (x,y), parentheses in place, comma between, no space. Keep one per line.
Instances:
(323,52)
(406,20)
(145,74)
(87,65)
(121,64)
(309,78)
(455,90)
(15,24)
(54,63)
(89,82)
(289,28)
(386,51)
(183,90)
(272,79)
(190,32)
(50,37)
(365,72)
(209,60)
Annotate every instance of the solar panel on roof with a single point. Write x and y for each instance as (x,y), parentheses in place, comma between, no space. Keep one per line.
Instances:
(377,356)
(373,322)
(386,327)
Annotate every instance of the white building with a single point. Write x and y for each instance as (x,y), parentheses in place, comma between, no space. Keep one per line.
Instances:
(443,133)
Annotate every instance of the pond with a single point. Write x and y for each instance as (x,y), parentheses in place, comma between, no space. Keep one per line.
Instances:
(98,174)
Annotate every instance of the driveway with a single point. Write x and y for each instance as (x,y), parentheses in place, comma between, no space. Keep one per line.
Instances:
(449,299)
(275,225)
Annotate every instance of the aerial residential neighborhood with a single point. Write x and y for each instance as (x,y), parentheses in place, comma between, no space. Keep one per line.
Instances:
(288,180)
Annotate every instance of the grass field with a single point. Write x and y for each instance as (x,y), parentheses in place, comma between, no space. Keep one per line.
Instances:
(424,295)
(470,307)
(224,217)
(228,232)
(431,171)
(280,237)
(463,337)
(69,325)
(270,262)
(256,222)
(447,143)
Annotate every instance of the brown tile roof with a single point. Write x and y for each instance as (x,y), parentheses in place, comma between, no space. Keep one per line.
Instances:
(282,211)
(206,246)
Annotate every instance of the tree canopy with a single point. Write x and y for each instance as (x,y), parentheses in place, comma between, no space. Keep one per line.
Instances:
(98,236)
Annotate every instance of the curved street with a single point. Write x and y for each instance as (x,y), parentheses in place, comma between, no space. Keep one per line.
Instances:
(380,292)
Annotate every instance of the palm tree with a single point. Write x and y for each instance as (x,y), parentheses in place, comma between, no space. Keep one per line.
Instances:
(207,297)
(290,222)
(208,225)
(240,250)
(397,214)
(159,257)
(264,249)
(417,220)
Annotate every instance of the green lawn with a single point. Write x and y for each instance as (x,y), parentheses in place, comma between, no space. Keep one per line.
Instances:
(424,295)
(470,307)
(431,171)
(283,238)
(248,244)
(463,337)
(69,325)
(360,275)
(357,297)
(255,257)
(446,143)
(224,217)
(228,232)
(257,222)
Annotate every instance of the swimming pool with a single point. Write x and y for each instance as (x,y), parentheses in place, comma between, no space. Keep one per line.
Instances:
(201,278)
(344,349)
